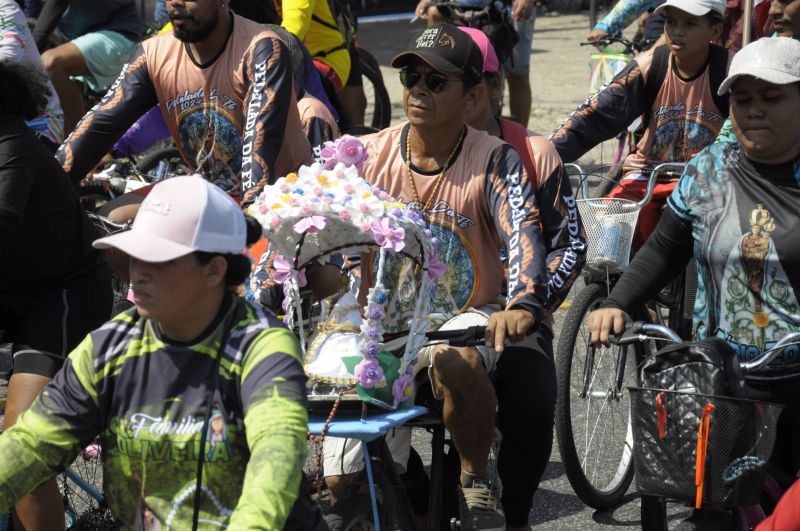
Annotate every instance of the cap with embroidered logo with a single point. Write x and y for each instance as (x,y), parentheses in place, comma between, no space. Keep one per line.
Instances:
(178,217)
(446,49)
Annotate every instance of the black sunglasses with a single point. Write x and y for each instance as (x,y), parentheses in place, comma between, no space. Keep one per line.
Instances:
(435,81)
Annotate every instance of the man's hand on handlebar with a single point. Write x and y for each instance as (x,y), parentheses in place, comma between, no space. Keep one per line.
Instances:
(606,322)
(511,325)
(596,35)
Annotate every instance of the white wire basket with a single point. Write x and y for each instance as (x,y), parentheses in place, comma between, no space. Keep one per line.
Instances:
(609,225)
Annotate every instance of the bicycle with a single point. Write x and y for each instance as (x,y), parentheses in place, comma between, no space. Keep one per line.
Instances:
(387,504)
(721,462)
(614,51)
(593,423)
(81,488)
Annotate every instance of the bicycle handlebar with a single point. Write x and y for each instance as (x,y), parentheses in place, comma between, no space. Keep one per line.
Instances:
(639,331)
(631,46)
(464,337)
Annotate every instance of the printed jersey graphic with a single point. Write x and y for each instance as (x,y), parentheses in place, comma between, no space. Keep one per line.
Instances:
(680,134)
(211,138)
(758,305)
(452,291)
(747,291)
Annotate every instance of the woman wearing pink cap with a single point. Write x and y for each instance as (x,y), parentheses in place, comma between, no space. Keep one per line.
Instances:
(197,396)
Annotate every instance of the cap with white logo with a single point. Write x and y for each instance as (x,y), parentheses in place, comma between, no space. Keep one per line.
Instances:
(447,49)
(773,59)
(178,217)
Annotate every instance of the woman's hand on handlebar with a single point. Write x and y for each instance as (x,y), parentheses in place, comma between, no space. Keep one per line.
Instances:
(606,322)
(511,325)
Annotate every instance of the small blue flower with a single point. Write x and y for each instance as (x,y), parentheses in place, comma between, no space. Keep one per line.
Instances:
(381,297)
(298,191)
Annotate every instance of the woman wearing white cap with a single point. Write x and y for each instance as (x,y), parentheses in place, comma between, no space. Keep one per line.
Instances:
(735,210)
(197,396)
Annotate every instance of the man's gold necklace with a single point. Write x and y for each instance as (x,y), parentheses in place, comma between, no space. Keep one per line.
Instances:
(439,180)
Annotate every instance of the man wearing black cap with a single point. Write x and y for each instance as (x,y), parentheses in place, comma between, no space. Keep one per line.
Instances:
(475,197)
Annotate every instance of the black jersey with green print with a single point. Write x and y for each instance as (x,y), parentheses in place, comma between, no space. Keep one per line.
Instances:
(146,396)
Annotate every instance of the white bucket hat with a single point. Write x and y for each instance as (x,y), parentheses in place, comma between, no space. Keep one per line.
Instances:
(697,8)
(178,217)
(773,59)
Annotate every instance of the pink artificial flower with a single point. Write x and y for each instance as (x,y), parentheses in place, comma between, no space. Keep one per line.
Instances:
(369,373)
(310,224)
(402,388)
(387,236)
(350,151)
(283,271)
(91,451)
(436,268)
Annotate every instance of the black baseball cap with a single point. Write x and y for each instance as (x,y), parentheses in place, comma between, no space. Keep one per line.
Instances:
(447,49)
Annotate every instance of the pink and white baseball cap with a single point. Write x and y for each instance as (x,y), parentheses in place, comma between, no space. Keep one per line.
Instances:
(178,217)
(490,62)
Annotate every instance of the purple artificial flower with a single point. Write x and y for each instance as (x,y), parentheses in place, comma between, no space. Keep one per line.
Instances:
(372,350)
(376,313)
(372,333)
(310,224)
(283,271)
(402,388)
(436,268)
(387,236)
(369,373)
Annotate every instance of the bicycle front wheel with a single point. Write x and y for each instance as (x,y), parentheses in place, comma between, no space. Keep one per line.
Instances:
(593,424)
(81,487)
(379,108)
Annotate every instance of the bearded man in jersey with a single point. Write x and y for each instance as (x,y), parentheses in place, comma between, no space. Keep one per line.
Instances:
(223,85)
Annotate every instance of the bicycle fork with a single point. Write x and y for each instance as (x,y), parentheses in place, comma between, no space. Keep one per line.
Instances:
(589,373)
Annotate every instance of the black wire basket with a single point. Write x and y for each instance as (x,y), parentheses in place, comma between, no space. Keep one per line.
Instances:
(739,441)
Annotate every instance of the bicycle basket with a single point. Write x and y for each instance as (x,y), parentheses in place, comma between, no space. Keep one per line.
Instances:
(609,225)
(739,440)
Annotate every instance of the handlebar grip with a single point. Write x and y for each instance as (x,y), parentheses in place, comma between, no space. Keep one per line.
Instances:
(465,337)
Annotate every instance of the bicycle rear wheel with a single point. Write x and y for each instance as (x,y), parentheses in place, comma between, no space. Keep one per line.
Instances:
(379,108)
(81,487)
(593,424)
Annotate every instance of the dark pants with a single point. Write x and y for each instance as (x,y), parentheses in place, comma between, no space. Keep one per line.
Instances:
(525,383)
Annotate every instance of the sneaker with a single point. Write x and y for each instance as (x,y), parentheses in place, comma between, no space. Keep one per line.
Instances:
(479,509)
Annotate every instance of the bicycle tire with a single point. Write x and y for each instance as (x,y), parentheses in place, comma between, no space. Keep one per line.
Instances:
(347,512)
(590,485)
(148,163)
(82,508)
(379,106)
(354,512)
